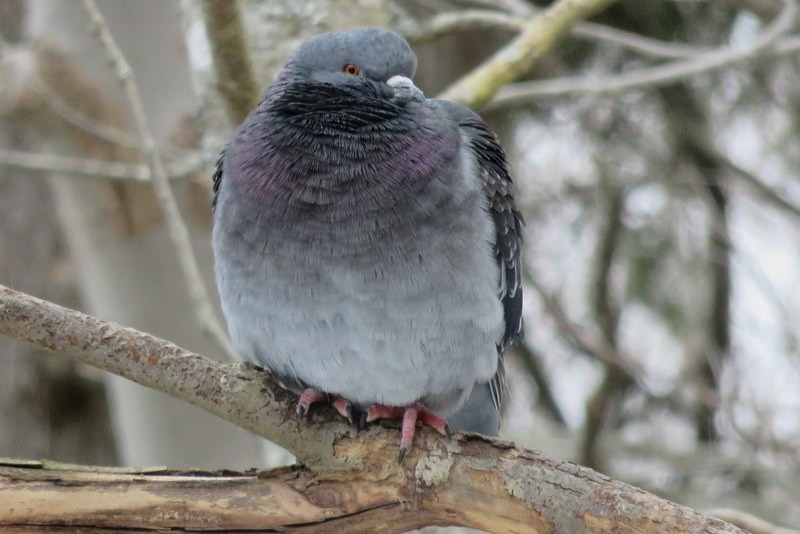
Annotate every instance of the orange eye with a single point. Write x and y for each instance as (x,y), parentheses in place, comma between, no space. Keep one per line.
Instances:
(351,69)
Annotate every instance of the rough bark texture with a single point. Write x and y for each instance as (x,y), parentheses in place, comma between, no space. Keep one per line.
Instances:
(508,490)
(353,481)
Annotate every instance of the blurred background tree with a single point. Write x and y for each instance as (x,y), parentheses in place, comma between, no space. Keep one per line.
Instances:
(655,152)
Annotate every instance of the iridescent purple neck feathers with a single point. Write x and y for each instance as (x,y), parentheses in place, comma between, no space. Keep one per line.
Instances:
(323,150)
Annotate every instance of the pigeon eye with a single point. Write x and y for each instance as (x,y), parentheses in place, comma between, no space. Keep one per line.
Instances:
(351,69)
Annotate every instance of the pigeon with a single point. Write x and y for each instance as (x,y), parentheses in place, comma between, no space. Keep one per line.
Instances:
(366,240)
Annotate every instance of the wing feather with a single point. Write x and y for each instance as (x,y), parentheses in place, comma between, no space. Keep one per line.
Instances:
(495,177)
(217,178)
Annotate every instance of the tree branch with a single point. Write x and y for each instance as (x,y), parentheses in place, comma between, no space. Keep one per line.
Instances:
(531,361)
(606,315)
(352,480)
(753,524)
(536,38)
(114,170)
(235,77)
(474,19)
(768,43)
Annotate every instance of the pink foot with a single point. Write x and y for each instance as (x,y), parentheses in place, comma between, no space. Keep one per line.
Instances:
(346,410)
(409,416)
(343,406)
(307,398)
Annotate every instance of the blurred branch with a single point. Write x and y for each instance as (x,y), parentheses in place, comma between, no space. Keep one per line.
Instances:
(758,185)
(470,20)
(765,9)
(115,170)
(579,336)
(767,43)
(705,144)
(234,70)
(536,38)
(158,174)
(531,361)
(719,312)
(606,313)
(602,300)
(749,522)
(82,121)
(469,480)
(690,125)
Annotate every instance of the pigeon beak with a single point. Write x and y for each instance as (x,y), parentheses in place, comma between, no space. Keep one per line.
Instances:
(404,90)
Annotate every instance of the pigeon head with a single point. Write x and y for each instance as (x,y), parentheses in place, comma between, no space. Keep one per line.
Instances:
(342,130)
(354,57)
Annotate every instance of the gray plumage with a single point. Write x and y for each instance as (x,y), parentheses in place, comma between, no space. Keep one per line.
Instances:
(478,414)
(366,240)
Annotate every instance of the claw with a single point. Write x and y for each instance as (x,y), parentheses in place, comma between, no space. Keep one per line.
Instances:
(401,454)
(307,398)
(434,421)
(357,417)
(344,407)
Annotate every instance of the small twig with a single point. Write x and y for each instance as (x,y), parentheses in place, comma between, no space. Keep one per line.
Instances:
(765,9)
(706,145)
(82,121)
(114,170)
(536,38)
(749,522)
(470,20)
(531,361)
(579,336)
(177,227)
(767,43)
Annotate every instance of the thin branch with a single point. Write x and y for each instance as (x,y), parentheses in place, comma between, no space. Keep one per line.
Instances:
(531,361)
(114,170)
(645,46)
(606,314)
(749,522)
(579,336)
(536,38)
(234,71)
(469,480)
(470,20)
(177,227)
(765,9)
(83,121)
(686,119)
(767,43)
(705,144)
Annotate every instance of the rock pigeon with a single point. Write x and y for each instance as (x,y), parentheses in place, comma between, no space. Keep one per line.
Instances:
(366,240)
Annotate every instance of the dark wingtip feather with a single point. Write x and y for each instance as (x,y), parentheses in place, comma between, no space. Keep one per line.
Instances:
(217,178)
